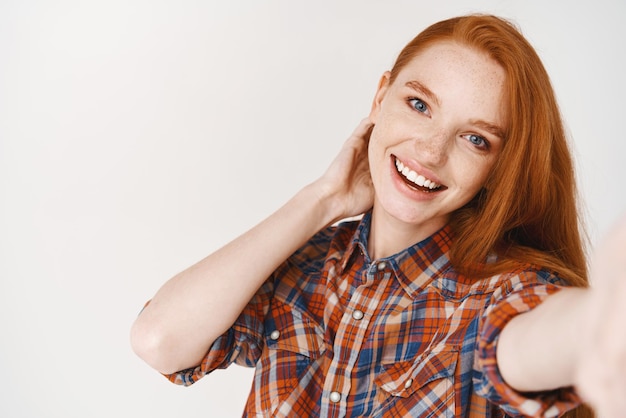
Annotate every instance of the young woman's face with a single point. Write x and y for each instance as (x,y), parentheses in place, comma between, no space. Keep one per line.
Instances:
(438,131)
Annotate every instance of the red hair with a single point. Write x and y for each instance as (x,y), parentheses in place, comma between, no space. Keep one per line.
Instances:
(527,211)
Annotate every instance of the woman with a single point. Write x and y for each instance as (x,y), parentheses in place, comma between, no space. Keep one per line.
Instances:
(460,292)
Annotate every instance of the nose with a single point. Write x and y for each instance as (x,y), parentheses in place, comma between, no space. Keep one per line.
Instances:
(434,147)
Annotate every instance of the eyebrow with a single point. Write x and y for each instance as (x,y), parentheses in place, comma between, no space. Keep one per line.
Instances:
(490,127)
(420,88)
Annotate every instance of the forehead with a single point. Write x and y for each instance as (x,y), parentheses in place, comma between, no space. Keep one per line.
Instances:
(455,62)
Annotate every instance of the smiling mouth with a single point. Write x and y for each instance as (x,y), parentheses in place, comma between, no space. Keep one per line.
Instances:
(415,180)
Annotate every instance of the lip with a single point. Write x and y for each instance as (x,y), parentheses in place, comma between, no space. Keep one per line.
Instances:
(409,190)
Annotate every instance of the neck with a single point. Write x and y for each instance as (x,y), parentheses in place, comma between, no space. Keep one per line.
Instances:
(389,235)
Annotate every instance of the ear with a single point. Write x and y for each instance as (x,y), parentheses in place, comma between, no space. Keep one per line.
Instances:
(383,86)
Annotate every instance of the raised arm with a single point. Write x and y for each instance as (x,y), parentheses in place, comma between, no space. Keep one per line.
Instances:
(577,337)
(197,305)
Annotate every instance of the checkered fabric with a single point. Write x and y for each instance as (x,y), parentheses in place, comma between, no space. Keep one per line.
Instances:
(333,334)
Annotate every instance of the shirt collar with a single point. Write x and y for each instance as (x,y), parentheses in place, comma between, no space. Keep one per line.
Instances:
(415,266)
(357,244)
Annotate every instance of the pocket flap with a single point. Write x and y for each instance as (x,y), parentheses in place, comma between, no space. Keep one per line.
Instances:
(405,377)
(291,330)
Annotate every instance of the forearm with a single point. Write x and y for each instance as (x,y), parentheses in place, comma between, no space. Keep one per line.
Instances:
(196,306)
(539,350)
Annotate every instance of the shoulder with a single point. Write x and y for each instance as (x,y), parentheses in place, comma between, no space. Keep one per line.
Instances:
(454,285)
(514,293)
(525,282)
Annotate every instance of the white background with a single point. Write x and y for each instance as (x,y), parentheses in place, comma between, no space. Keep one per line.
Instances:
(138,136)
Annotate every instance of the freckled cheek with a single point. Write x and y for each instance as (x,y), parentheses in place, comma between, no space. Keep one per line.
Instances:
(378,143)
(480,179)
(373,154)
(378,131)
(389,131)
(471,175)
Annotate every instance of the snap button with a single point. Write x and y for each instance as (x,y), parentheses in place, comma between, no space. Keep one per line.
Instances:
(335,397)
(275,334)
(408,383)
(357,314)
(382,265)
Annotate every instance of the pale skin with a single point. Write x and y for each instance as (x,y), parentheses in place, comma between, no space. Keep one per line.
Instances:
(440,119)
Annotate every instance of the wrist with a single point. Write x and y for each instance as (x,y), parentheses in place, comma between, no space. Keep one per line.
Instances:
(328,205)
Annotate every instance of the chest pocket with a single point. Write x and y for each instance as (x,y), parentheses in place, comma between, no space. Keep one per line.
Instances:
(293,342)
(291,330)
(424,386)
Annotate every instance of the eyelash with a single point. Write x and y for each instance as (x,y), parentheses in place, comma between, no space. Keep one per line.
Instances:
(412,101)
(483,146)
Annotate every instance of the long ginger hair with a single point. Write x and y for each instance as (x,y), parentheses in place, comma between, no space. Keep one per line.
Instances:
(527,211)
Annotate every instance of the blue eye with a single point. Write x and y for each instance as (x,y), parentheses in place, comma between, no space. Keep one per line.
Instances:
(418,105)
(479,141)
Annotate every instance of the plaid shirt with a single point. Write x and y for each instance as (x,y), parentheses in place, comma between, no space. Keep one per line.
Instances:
(333,334)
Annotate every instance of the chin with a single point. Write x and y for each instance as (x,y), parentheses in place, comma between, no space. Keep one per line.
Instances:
(408,213)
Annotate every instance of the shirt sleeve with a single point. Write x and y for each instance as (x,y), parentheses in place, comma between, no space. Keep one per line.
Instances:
(244,341)
(241,344)
(521,293)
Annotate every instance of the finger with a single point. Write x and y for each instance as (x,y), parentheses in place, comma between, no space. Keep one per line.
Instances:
(363,129)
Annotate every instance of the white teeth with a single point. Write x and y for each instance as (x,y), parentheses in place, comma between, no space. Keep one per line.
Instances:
(413,177)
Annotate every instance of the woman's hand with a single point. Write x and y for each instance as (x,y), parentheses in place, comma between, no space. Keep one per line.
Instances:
(347,181)
(601,375)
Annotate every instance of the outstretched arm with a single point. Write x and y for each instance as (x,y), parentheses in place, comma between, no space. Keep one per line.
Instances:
(197,305)
(577,337)
(601,373)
